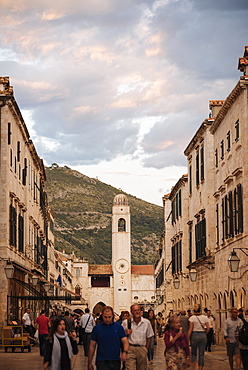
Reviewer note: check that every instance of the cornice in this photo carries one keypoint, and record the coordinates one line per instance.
(178, 186)
(198, 135)
(241, 85)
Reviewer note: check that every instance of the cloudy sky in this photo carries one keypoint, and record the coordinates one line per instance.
(116, 89)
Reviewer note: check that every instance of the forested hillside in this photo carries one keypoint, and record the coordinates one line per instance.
(83, 207)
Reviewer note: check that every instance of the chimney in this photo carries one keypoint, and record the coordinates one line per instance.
(5, 88)
(243, 62)
(214, 106)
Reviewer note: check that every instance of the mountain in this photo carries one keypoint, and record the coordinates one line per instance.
(83, 207)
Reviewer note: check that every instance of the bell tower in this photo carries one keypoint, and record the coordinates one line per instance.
(121, 253)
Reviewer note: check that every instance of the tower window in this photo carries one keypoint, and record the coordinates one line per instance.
(121, 225)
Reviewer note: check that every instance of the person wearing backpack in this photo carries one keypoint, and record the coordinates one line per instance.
(241, 336)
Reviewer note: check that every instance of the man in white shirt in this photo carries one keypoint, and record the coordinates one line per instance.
(139, 338)
(26, 321)
(210, 334)
(232, 346)
(87, 323)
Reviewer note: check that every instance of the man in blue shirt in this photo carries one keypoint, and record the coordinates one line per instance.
(108, 337)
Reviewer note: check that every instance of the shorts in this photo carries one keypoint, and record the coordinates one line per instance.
(232, 349)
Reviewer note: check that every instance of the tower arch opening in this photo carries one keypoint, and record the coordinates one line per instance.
(121, 225)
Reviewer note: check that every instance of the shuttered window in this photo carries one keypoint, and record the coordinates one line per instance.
(197, 175)
(200, 238)
(202, 162)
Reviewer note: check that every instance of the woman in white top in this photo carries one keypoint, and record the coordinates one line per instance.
(198, 327)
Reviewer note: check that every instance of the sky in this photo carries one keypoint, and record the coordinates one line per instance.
(116, 89)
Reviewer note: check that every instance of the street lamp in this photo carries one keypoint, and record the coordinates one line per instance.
(46, 287)
(176, 283)
(193, 274)
(9, 270)
(35, 280)
(233, 261)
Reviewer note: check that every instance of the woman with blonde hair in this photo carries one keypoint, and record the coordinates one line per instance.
(198, 328)
(177, 353)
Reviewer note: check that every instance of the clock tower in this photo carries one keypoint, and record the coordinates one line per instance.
(121, 253)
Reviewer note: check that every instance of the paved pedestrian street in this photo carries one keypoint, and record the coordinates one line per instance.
(215, 360)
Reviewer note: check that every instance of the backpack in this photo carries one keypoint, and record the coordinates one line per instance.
(243, 334)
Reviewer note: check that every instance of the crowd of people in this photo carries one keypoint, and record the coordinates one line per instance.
(127, 341)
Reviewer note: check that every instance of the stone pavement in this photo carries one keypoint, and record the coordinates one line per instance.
(215, 360)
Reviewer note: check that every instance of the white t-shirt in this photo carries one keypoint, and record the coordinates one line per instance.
(26, 319)
(199, 322)
(140, 333)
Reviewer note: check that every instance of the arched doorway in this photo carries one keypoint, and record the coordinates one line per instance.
(97, 310)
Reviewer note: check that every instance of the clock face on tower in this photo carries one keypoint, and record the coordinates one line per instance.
(122, 266)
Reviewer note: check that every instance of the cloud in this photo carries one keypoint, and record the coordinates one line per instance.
(94, 74)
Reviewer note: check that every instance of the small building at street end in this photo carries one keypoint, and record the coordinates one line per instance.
(203, 253)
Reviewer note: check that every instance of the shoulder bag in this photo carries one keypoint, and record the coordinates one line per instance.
(83, 329)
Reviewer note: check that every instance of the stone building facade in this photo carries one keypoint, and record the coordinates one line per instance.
(26, 221)
(210, 223)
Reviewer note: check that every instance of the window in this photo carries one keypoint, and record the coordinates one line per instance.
(24, 172)
(237, 130)
(176, 206)
(232, 213)
(190, 245)
(238, 209)
(222, 149)
(20, 233)
(200, 238)
(9, 133)
(179, 195)
(12, 225)
(159, 278)
(216, 158)
(217, 223)
(227, 204)
(11, 158)
(190, 180)
(121, 225)
(176, 254)
(228, 141)
(202, 162)
(78, 272)
(18, 151)
(100, 281)
(173, 219)
(197, 169)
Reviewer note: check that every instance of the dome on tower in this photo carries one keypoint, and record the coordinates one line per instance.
(120, 200)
